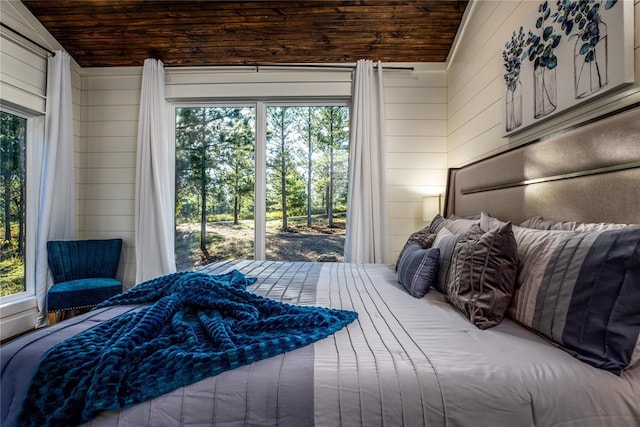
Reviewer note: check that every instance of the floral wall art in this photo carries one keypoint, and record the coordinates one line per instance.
(568, 52)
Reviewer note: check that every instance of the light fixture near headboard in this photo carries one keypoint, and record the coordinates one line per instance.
(431, 206)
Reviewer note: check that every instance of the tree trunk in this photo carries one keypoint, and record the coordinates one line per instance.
(236, 197)
(330, 202)
(325, 198)
(6, 176)
(203, 191)
(22, 203)
(283, 176)
(330, 195)
(203, 216)
(309, 170)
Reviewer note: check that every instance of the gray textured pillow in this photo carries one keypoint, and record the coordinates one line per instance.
(418, 269)
(482, 275)
(456, 225)
(423, 237)
(446, 243)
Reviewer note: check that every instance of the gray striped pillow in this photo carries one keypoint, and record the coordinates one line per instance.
(541, 223)
(582, 290)
(418, 269)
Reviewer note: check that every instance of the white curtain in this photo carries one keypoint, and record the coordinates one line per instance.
(57, 199)
(367, 234)
(154, 201)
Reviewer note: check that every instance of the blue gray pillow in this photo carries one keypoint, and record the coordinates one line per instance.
(418, 269)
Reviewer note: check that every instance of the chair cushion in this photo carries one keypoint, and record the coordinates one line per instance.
(81, 259)
(81, 293)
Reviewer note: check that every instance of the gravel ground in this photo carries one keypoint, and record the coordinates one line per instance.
(298, 243)
(305, 244)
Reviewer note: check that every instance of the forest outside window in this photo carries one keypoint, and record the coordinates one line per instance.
(13, 193)
(260, 181)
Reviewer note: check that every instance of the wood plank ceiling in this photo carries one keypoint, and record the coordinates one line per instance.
(111, 33)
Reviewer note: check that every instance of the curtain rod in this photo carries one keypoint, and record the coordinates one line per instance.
(50, 52)
(290, 65)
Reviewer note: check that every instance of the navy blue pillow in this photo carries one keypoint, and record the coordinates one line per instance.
(418, 269)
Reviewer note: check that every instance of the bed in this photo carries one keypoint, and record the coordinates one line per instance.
(405, 360)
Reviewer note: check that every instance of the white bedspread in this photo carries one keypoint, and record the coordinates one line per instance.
(404, 362)
(412, 362)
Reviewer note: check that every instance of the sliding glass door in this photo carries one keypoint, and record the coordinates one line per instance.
(215, 157)
(306, 182)
(262, 180)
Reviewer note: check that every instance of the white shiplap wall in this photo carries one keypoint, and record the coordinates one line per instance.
(109, 115)
(416, 161)
(23, 81)
(474, 81)
(415, 123)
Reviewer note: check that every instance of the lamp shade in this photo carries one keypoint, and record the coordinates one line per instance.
(431, 206)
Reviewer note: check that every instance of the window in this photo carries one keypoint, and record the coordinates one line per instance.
(307, 174)
(13, 193)
(214, 184)
(260, 180)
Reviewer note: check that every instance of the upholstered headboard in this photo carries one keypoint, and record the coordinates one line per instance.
(590, 173)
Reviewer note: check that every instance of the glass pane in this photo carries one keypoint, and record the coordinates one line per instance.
(14, 203)
(215, 158)
(307, 175)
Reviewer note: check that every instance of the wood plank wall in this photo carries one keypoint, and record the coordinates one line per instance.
(474, 82)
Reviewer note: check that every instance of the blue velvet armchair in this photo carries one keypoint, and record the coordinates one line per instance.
(83, 273)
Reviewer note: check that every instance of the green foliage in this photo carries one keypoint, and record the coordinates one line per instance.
(582, 19)
(11, 265)
(541, 44)
(513, 55)
(214, 162)
(308, 146)
(307, 172)
(11, 275)
(13, 197)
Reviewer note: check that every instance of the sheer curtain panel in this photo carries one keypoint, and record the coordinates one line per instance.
(154, 201)
(57, 199)
(367, 230)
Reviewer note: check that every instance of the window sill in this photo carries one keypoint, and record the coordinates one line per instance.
(14, 307)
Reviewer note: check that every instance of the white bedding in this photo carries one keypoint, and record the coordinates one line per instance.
(404, 362)
(414, 361)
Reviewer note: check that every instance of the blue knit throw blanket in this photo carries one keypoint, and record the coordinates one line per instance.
(197, 326)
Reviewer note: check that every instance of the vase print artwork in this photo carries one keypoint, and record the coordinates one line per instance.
(582, 20)
(545, 93)
(513, 107)
(564, 55)
(590, 64)
(513, 54)
(541, 45)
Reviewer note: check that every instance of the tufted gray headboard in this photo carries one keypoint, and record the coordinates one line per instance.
(590, 173)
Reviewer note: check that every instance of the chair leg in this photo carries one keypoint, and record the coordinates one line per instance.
(52, 318)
